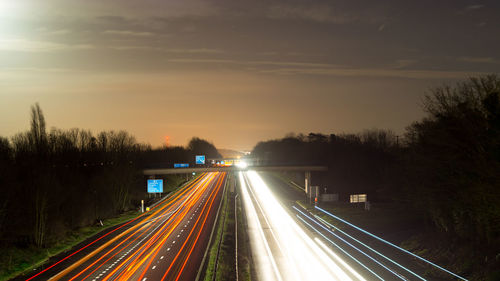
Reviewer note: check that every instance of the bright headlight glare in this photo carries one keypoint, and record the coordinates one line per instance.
(295, 254)
(241, 164)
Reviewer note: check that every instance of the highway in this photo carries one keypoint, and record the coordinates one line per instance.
(166, 243)
(289, 242)
(281, 249)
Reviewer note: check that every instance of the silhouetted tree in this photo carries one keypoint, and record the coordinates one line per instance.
(203, 147)
(52, 182)
(453, 164)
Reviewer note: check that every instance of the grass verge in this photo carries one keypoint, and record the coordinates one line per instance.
(216, 243)
(224, 266)
(244, 260)
(15, 261)
(289, 180)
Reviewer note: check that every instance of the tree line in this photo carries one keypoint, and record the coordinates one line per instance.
(446, 166)
(54, 181)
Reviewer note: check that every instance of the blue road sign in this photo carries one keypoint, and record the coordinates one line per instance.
(181, 165)
(155, 186)
(200, 159)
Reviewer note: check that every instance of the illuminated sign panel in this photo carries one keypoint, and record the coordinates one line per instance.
(155, 186)
(357, 198)
(181, 165)
(200, 159)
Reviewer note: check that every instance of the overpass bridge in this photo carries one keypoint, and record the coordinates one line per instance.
(306, 169)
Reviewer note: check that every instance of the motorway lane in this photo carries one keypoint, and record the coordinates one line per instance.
(182, 254)
(125, 256)
(168, 260)
(281, 249)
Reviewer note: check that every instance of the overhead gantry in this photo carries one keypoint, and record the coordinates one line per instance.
(306, 169)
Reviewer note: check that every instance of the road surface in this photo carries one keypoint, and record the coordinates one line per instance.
(281, 249)
(291, 243)
(167, 243)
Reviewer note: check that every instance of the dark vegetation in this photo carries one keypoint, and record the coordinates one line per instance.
(55, 182)
(446, 169)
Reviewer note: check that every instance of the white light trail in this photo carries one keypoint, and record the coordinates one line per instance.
(370, 248)
(390, 244)
(292, 254)
(266, 263)
(351, 245)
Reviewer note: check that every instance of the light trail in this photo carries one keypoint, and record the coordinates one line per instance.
(260, 242)
(118, 252)
(341, 261)
(340, 248)
(156, 221)
(198, 183)
(156, 249)
(154, 226)
(186, 259)
(371, 249)
(148, 215)
(303, 259)
(390, 244)
(352, 246)
(134, 261)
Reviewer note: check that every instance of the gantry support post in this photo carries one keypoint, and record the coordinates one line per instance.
(307, 183)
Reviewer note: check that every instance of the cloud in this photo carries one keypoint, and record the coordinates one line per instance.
(323, 14)
(59, 32)
(253, 63)
(166, 50)
(128, 33)
(304, 68)
(402, 63)
(470, 8)
(375, 72)
(479, 59)
(474, 7)
(24, 45)
(36, 70)
(193, 51)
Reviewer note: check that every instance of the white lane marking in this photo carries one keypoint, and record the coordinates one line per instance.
(144, 279)
(138, 243)
(153, 267)
(179, 235)
(146, 223)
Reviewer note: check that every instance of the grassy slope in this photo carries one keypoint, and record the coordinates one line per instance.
(15, 261)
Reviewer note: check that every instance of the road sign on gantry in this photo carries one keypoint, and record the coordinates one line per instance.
(200, 159)
(155, 186)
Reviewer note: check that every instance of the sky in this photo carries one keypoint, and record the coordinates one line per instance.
(236, 72)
